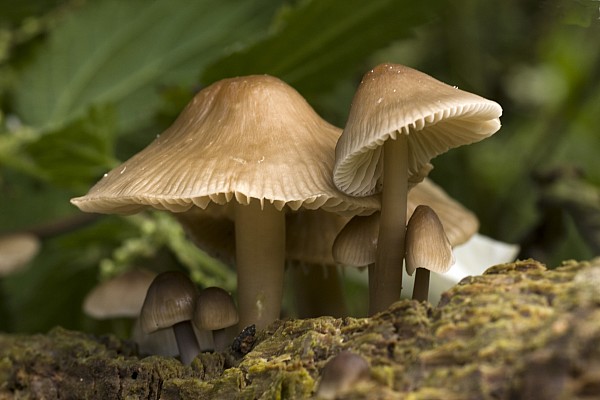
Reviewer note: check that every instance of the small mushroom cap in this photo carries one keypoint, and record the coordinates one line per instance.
(460, 224)
(426, 243)
(356, 244)
(394, 99)
(215, 309)
(121, 296)
(16, 251)
(171, 299)
(244, 138)
(340, 373)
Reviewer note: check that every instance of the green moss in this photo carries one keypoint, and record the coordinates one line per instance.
(506, 334)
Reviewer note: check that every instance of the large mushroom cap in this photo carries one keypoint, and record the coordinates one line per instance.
(394, 99)
(239, 138)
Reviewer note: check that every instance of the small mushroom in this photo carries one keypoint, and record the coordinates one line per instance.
(254, 146)
(121, 296)
(356, 244)
(340, 373)
(399, 120)
(170, 304)
(215, 311)
(427, 249)
(16, 250)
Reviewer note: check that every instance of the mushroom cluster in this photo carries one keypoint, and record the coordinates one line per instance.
(252, 148)
(174, 302)
(399, 120)
(249, 160)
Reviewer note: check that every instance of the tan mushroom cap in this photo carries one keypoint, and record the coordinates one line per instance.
(243, 138)
(16, 250)
(356, 244)
(121, 296)
(340, 373)
(394, 99)
(426, 243)
(460, 224)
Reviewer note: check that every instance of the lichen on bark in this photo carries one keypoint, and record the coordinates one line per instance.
(519, 331)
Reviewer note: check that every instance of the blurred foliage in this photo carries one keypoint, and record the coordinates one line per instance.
(85, 84)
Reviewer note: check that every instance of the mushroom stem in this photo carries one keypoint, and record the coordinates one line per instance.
(186, 342)
(318, 291)
(385, 278)
(421, 285)
(260, 244)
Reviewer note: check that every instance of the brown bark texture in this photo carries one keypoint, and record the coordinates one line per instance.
(520, 331)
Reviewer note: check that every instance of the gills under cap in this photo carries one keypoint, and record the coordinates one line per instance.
(243, 138)
(393, 99)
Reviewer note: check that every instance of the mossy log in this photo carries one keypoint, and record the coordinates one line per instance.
(520, 331)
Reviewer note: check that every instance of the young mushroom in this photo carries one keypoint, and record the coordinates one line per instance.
(16, 250)
(399, 120)
(356, 244)
(340, 373)
(427, 249)
(119, 297)
(170, 304)
(215, 311)
(250, 144)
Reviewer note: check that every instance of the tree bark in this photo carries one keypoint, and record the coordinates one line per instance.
(519, 331)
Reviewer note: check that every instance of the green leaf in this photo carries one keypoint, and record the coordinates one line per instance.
(122, 52)
(78, 154)
(321, 41)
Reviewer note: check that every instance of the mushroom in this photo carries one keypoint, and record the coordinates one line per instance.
(16, 250)
(340, 373)
(311, 269)
(399, 120)
(121, 296)
(356, 244)
(251, 144)
(317, 285)
(215, 311)
(427, 249)
(170, 304)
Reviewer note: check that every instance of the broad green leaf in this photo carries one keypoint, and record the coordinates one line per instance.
(76, 155)
(321, 41)
(25, 202)
(123, 52)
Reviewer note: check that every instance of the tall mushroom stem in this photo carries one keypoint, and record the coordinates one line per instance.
(385, 278)
(260, 261)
